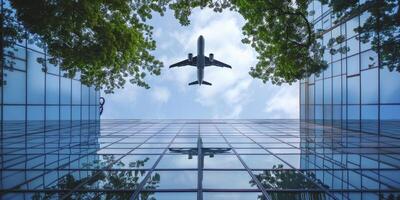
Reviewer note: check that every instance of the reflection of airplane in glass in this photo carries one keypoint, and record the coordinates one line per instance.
(200, 152)
(200, 61)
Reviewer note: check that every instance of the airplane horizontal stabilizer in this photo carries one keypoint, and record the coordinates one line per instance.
(194, 83)
(206, 83)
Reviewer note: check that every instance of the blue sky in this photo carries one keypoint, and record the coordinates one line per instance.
(234, 93)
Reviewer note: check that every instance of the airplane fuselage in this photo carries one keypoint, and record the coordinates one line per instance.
(200, 59)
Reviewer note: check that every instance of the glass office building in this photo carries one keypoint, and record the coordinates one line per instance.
(42, 114)
(202, 159)
(354, 92)
(346, 145)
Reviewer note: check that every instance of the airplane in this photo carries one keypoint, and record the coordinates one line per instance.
(200, 151)
(200, 61)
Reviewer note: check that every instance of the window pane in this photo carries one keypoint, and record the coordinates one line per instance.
(353, 65)
(353, 90)
(318, 92)
(233, 195)
(177, 179)
(222, 161)
(52, 113)
(262, 161)
(353, 46)
(52, 89)
(76, 92)
(14, 113)
(35, 79)
(35, 112)
(65, 90)
(227, 180)
(350, 26)
(65, 113)
(390, 86)
(337, 90)
(369, 59)
(369, 86)
(14, 90)
(328, 91)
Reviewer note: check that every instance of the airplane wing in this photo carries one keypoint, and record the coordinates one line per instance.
(215, 63)
(185, 62)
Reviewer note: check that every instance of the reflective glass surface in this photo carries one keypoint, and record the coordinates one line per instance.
(288, 159)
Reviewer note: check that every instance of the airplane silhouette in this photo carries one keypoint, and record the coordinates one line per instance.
(200, 61)
(200, 152)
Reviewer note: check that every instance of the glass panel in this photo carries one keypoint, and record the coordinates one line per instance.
(177, 179)
(353, 90)
(318, 92)
(328, 91)
(65, 92)
(369, 59)
(14, 89)
(76, 92)
(14, 63)
(337, 90)
(353, 46)
(337, 68)
(389, 86)
(232, 195)
(35, 78)
(65, 113)
(263, 161)
(369, 86)
(52, 112)
(222, 161)
(353, 65)
(14, 113)
(52, 89)
(177, 161)
(227, 180)
(35, 112)
(172, 196)
(136, 161)
(350, 26)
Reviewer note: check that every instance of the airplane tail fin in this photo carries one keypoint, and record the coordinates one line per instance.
(197, 82)
(194, 83)
(206, 83)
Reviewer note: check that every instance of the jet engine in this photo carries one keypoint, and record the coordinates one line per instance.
(190, 57)
(211, 57)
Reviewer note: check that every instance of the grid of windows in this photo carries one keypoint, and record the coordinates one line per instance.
(354, 92)
(137, 159)
(31, 91)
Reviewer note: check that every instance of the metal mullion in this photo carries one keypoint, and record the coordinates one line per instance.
(148, 175)
(318, 185)
(259, 185)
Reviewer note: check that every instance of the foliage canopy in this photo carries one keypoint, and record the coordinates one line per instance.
(109, 41)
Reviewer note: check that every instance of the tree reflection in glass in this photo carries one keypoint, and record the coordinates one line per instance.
(279, 178)
(103, 180)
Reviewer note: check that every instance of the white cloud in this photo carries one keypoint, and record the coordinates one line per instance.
(160, 94)
(116, 104)
(284, 103)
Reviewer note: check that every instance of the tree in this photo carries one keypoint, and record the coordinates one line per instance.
(108, 41)
(106, 179)
(279, 178)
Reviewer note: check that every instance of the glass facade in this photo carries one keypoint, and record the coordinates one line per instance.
(199, 159)
(354, 92)
(31, 91)
(46, 119)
